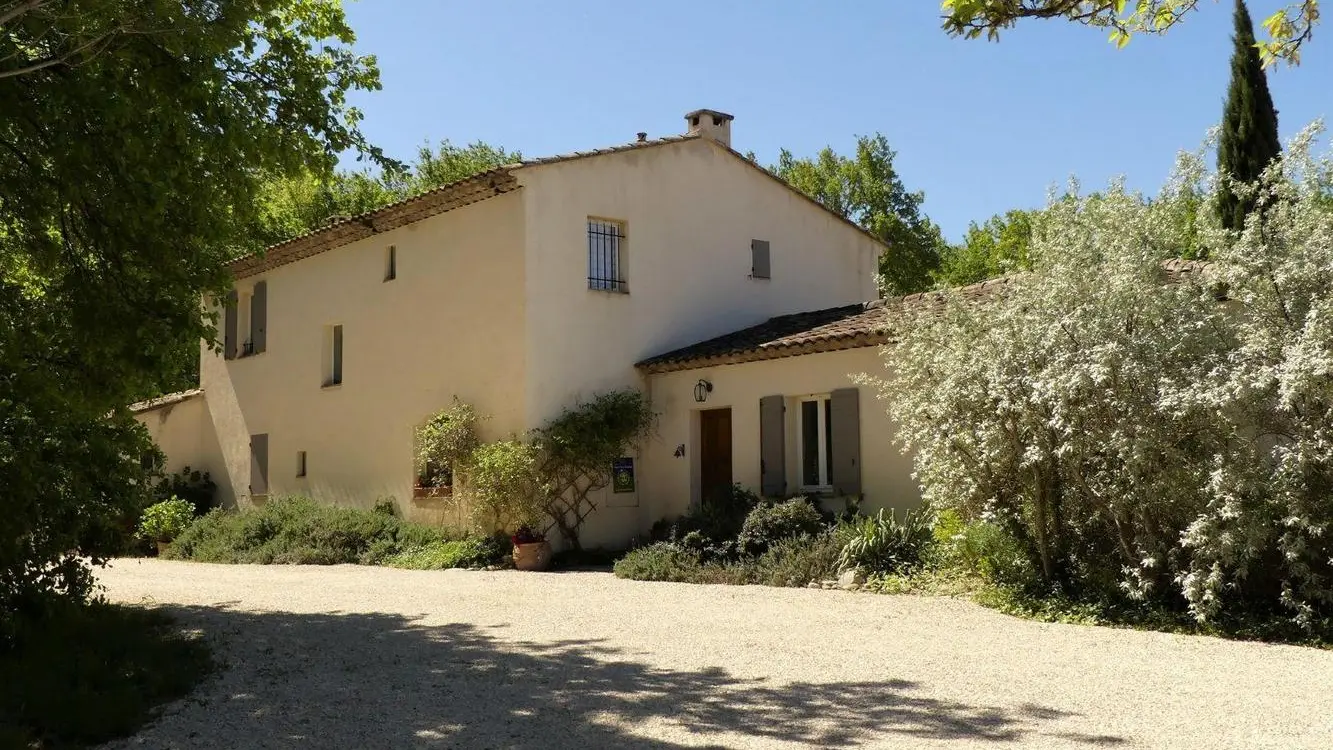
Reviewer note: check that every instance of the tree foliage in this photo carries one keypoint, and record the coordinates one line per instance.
(1141, 439)
(133, 137)
(1288, 28)
(503, 486)
(998, 247)
(867, 190)
(294, 205)
(448, 439)
(1249, 141)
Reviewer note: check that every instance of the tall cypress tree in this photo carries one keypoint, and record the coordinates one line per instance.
(1249, 123)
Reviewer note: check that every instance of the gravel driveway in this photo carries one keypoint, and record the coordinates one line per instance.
(360, 657)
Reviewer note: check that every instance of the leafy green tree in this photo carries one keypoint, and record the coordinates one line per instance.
(293, 205)
(998, 247)
(867, 190)
(1288, 28)
(448, 163)
(1249, 141)
(133, 138)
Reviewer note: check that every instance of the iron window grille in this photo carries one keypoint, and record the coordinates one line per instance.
(248, 348)
(605, 261)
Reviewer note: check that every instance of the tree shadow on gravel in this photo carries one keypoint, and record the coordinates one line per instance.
(383, 681)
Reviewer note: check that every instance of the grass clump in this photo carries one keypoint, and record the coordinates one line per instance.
(300, 531)
(83, 675)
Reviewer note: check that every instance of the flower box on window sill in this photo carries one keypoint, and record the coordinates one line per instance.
(424, 493)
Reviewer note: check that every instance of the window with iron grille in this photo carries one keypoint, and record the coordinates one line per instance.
(606, 259)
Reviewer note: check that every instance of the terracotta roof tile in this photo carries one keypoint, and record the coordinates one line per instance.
(474, 189)
(479, 187)
(835, 328)
(167, 400)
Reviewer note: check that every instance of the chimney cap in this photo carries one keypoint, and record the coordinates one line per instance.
(713, 112)
(642, 136)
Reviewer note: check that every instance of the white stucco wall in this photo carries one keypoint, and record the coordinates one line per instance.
(185, 436)
(451, 323)
(491, 303)
(690, 211)
(669, 484)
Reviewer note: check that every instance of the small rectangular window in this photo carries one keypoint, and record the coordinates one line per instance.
(333, 363)
(606, 256)
(815, 434)
(300, 463)
(759, 260)
(433, 480)
(391, 263)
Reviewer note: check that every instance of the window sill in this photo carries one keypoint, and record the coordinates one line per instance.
(624, 292)
(425, 493)
(330, 386)
(817, 490)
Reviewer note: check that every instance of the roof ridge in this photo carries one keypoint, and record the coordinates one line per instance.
(290, 250)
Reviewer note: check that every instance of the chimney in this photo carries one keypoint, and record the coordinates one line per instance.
(709, 123)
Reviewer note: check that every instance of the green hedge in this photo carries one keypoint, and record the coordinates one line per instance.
(301, 531)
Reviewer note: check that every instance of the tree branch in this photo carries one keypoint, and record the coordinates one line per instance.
(57, 60)
(20, 9)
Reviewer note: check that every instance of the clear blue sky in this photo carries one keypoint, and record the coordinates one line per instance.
(980, 127)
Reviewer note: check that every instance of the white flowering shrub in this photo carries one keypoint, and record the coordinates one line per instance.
(1266, 530)
(1135, 436)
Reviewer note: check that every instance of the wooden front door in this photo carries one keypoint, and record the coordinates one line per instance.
(714, 452)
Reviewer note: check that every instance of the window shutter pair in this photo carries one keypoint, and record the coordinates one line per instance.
(258, 321)
(845, 418)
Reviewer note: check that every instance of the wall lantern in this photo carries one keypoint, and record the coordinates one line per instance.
(701, 390)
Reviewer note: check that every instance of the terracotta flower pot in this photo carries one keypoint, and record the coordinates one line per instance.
(532, 556)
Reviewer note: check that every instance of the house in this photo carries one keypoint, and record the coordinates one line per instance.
(675, 266)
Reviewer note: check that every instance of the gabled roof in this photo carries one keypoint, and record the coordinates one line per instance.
(474, 189)
(163, 401)
(835, 328)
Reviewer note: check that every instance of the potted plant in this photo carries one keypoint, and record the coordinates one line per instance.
(531, 550)
(162, 522)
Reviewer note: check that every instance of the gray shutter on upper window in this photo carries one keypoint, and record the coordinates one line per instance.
(259, 317)
(259, 464)
(772, 447)
(845, 440)
(229, 326)
(759, 263)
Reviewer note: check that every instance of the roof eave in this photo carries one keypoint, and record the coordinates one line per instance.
(829, 344)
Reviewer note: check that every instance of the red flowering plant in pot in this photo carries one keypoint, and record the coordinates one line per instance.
(531, 550)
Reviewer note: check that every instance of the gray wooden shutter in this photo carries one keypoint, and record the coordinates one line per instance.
(772, 447)
(259, 316)
(759, 263)
(229, 327)
(259, 464)
(845, 418)
(337, 355)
